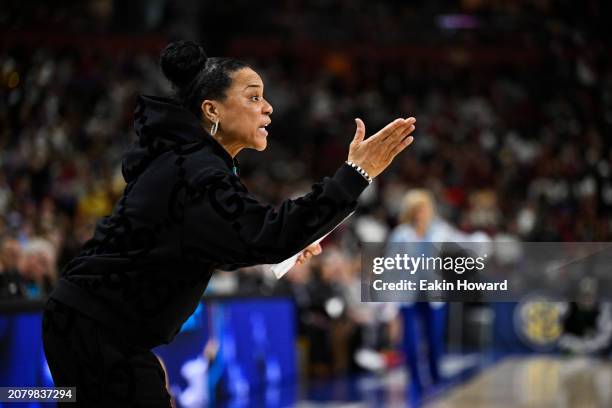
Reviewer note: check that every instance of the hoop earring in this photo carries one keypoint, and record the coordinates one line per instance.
(214, 128)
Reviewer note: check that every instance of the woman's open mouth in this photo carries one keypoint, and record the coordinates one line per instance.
(262, 129)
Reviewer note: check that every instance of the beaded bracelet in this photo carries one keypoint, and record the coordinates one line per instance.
(360, 171)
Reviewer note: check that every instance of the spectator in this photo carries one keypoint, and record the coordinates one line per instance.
(587, 324)
(10, 254)
(37, 268)
(326, 316)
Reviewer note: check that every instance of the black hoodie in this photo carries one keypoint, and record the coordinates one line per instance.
(183, 214)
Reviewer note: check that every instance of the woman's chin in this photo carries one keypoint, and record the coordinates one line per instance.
(261, 145)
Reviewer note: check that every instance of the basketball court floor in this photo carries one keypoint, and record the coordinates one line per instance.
(537, 381)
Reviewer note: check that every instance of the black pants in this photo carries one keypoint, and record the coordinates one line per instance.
(105, 368)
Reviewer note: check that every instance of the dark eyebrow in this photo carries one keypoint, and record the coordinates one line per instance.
(252, 86)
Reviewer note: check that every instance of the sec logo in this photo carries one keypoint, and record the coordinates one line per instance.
(538, 322)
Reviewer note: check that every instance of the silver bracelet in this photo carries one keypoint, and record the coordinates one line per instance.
(360, 171)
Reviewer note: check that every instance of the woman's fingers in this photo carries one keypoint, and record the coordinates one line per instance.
(405, 141)
(402, 132)
(359, 132)
(397, 139)
(401, 146)
(398, 133)
(395, 136)
(395, 144)
(388, 130)
(312, 250)
(388, 138)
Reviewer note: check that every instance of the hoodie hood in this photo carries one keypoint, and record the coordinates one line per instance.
(163, 125)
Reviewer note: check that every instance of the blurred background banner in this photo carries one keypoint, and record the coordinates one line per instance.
(512, 146)
(228, 350)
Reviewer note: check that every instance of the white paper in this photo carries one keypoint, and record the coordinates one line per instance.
(283, 267)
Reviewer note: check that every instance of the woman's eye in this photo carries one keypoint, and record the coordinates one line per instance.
(255, 98)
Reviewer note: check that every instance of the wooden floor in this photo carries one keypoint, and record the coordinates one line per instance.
(536, 382)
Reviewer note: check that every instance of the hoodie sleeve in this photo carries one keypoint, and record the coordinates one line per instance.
(227, 225)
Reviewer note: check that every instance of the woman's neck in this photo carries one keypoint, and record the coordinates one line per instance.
(231, 147)
(421, 229)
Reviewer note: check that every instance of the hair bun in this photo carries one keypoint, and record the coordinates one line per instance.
(181, 61)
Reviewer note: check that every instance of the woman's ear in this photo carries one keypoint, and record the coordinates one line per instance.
(210, 111)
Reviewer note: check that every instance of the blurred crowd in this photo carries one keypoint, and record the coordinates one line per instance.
(519, 149)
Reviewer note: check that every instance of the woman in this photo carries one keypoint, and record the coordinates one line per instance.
(419, 227)
(185, 213)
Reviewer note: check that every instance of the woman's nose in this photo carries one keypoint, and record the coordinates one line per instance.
(268, 108)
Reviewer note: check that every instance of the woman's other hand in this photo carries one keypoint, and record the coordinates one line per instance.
(378, 151)
(314, 249)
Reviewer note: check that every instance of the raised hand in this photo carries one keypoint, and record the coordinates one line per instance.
(376, 153)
